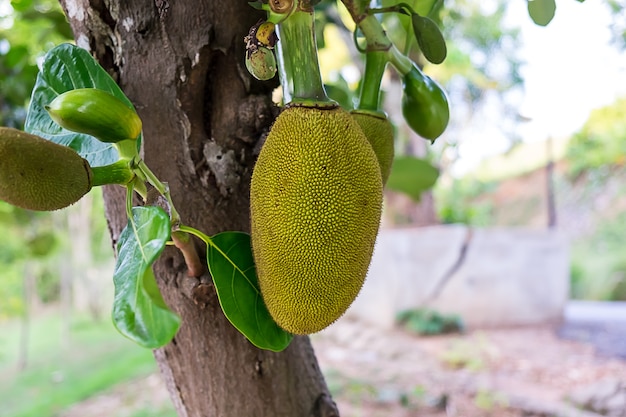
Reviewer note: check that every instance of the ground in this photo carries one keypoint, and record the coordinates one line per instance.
(526, 371)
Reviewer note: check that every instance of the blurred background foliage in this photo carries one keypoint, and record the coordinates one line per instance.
(28, 28)
(601, 142)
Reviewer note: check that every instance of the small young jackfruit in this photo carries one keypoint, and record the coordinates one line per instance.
(316, 199)
(379, 132)
(37, 174)
(97, 113)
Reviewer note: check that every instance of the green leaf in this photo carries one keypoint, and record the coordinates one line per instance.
(139, 311)
(429, 38)
(412, 176)
(230, 261)
(67, 67)
(541, 11)
(256, 4)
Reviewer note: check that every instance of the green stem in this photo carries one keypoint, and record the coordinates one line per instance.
(403, 8)
(357, 8)
(400, 61)
(377, 40)
(298, 65)
(207, 239)
(284, 9)
(116, 173)
(202, 236)
(162, 188)
(127, 149)
(129, 200)
(369, 97)
(139, 185)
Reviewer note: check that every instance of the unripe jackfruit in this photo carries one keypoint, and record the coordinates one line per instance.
(37, 174)
(97, 113)
(316, 199)
(379, 132)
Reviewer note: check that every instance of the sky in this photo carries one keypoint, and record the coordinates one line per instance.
(571, 68)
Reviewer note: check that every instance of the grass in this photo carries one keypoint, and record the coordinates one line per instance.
(59, 372)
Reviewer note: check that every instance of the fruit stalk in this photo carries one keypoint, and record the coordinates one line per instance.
(116, 173)
(298, 65)
(369, 96)
(370, 117)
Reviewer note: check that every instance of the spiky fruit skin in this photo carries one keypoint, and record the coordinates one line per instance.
(37, 174)
(316, 200)
(379, 132)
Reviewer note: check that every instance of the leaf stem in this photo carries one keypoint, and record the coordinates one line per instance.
(129, 200)
(202, 236)
(397, 8)
(162, 188)
(207, 239)
(377, 40)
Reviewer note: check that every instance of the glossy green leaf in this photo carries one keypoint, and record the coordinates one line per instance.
(67, 67)
(429, 38)
(256, 4)
(411, 176)
(424, 7)
(541, 11)
(139, 311)
(230, 261)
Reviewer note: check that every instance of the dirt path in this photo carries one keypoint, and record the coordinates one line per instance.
(507, 372)
(391, 373)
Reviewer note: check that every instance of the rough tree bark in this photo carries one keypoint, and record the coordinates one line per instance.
(181, 63)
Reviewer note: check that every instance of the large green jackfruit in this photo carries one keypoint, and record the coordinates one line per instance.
(379, 132)
(37, 174)
(316, 199)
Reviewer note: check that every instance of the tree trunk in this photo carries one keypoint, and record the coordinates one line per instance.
(181, 63)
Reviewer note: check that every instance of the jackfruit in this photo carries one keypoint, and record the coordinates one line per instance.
(97, 113)
(261, 63)
(379, 132)
(315, 206)
(37, 174)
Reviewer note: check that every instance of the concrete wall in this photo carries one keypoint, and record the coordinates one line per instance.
(491, 277)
